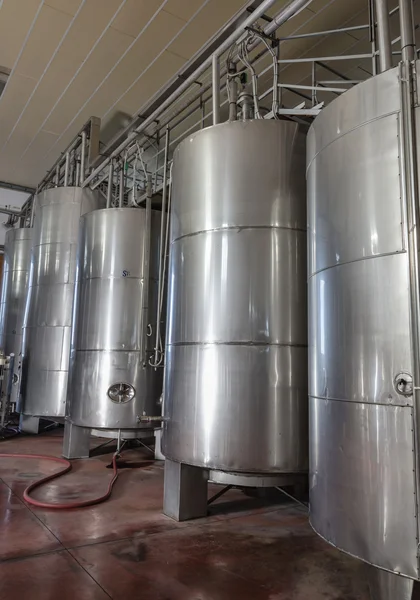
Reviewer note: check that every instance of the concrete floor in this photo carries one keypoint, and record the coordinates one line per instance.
(126, 548)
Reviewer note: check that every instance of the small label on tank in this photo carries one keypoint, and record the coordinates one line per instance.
(126, 273)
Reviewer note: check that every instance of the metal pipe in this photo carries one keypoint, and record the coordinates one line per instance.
(110, 182)
(32, 219)
(299, 36)
(232, 87)
(408, 43)
(146, 267)
(10, 211)
(57, 176)
(162, 256)
(289, 11)
(372, 34)
(121, 186)
(256, 14)
(72, 167)
(83, 158)
(215, 74)
(67, 170)
(77, 172)
(384, 36)
(318, 59)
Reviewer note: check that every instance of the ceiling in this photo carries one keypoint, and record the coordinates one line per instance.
(71, 59)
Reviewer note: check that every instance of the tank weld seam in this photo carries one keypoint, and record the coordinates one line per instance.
(83, 279)
(126, 351)
(349, 262)
(237, 228)
(51, 284)
(44, 326)
(389, 404)
(16, 271)
(246, 343)
(393, 112)
(62, 243)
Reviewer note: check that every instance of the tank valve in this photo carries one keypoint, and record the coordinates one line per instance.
(403, 384)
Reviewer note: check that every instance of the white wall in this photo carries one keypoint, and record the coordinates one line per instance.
(9, 199)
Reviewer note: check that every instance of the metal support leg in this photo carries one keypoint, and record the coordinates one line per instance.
(158, 445)
(76, 441)
(28, 424)
(388, 586)
(185, 491)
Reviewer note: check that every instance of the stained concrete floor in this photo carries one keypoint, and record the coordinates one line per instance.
(246, 549)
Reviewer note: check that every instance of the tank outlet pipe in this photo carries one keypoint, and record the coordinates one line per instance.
(408, 40)
(146, 267)
(384, 36)
(286, 13)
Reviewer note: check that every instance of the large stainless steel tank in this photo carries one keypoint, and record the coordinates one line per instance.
(112, 385)
(17, 260)
(47, 327)
(235, 392)
(363, 473)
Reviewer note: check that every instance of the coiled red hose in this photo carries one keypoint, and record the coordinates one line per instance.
(66, 469)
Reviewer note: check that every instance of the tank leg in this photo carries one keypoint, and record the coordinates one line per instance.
(388, 586)
(158, 444)
(28, 424)
(185, 491)
(76, 441)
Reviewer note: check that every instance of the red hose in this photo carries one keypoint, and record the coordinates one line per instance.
(66, 469)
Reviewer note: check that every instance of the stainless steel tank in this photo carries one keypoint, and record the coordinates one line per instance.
(112, 384)
(235, 392)
(363, 473)
(17, 260)
(47, 327)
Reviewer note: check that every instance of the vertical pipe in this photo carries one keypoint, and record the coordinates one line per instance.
(121, 186)
(408, 43)
(203, 111)
(233, 92)
(162, 256)
(77, 173)
(384, 36)
(57, 175)
(72, 167)
(67, 170)
(146, 268)
(372, 34)
(216, 89)
(31, 222)
(313, 83)
(110, 182)
(83, 158)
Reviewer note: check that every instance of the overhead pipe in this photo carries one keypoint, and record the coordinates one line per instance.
(286, 13)
(408, 40)
(384, 35)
